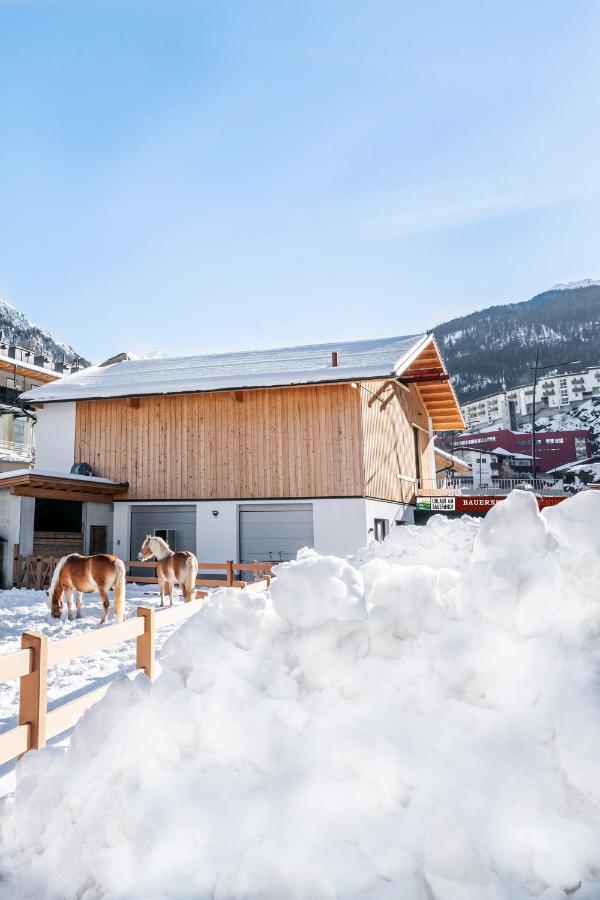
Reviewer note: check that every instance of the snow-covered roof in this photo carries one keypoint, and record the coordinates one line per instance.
(312, 364)
(455, 460)
(46, 473)
(566, 467)
(501, 451)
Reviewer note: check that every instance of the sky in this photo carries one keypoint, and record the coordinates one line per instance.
(192, 177)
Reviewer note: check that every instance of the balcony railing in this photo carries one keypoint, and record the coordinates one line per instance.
(494, 486)
(13, 451)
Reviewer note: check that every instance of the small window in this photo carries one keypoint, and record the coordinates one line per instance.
(381, 528)
(417, 444)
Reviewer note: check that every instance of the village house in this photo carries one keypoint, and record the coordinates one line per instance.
(243, 456)
(20, 370)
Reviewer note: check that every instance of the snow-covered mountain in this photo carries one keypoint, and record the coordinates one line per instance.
(17, 329)
(498, 344)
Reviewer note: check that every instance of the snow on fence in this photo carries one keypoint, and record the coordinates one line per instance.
(30, 664)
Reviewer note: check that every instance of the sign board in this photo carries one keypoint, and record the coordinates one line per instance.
(473, 505)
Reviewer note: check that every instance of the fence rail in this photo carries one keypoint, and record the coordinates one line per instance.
(469, 486)
(30, 664)
(35, 571)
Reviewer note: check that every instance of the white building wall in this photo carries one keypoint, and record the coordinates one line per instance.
(55, 438)
(121, 529)
(97, 514)
(560, 391)
(341, 526)
(16, 527)
(385, 509)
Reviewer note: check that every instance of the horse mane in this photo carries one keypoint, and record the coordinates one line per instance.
(164, 551)
(56, 576)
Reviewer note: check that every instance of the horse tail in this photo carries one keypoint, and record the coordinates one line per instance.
(191, 573)
(56, 578)
(119, 589)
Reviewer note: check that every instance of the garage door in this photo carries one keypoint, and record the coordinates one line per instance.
(180, 521)
(275, 532)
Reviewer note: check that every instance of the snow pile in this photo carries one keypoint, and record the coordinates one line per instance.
(372, 730)
(445, 543)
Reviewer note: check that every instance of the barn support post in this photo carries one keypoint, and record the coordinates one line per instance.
(230, 575)
(33, 689)
(144, 651)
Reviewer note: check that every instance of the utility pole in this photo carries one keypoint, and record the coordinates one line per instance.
(535, 375)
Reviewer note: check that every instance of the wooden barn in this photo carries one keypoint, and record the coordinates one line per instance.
(244, 456)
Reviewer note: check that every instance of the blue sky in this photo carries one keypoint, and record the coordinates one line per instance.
(196, 177)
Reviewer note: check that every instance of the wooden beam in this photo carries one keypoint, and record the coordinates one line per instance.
(425, 378)
(378, 394)
(61, 494)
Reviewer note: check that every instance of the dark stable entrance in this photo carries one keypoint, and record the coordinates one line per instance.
(57, 515)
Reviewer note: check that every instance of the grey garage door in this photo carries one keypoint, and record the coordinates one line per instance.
(180, 520)
(275, 532)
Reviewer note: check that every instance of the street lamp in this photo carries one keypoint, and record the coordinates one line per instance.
(537, 368)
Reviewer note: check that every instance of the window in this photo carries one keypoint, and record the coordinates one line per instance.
(19, 431)
(381, 528)
(417, 455)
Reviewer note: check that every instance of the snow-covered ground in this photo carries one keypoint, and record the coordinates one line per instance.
(419, 723)
(22, 610)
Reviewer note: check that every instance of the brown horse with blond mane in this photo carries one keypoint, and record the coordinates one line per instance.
(171, 568)
(79, 575)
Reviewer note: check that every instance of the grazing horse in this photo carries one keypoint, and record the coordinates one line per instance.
(77, 574)
(171, 568)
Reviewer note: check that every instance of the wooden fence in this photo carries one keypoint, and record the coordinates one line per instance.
(35, 571)
(30, 664)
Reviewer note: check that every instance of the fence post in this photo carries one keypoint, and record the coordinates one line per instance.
(33, 689)
(16, 565)
(144, 651)
(38, 573)
(230, 575)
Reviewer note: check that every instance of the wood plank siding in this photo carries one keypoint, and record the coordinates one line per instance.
(389, 441)
(291, 442)
(313, 441)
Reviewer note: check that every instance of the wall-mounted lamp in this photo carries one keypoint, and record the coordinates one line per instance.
(215, 513)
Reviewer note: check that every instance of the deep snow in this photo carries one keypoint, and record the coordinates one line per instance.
(382, 728)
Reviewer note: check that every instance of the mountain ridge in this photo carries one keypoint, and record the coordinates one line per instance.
(16, 328)
(496, 345)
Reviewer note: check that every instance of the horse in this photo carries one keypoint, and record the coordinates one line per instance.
(76, 574)
(171, 568)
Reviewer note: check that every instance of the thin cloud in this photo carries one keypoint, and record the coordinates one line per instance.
(476, 202)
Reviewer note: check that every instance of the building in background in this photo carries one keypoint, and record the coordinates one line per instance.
(241, 456)
(512, 409)
(20, 370)
(552, 448)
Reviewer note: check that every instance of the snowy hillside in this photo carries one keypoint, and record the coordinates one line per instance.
(497, 344)
(367, 729)
(17, 329)
(586, 415)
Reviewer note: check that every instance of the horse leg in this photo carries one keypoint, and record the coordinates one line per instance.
(79, 596)
(105, 604)
(171, 591)
(70, 607)
(161, 587)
